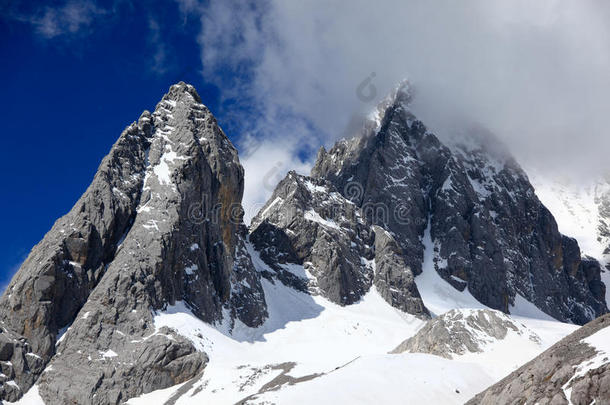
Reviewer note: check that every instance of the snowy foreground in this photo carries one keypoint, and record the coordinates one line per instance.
(311, 350)
(314, 350)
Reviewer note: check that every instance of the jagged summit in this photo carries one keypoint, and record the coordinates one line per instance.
(400, 97)
(397, 101)
(308, 222)
(489, 232)
(160, 223)
(179, 90)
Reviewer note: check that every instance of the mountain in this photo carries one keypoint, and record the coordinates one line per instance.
(152, 289)
(160, 223)
(489, 232)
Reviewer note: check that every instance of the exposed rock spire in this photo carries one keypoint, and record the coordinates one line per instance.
(160, 223)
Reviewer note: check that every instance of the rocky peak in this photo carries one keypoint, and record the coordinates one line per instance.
(308, 222)
(160, 223)
(320, 230)
(398, 100)
(489, 231)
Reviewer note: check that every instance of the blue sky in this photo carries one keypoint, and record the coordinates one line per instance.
(66, 97)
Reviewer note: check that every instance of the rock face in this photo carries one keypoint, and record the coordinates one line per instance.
(572, 370)
(490, 232)
(461, 331)
(582, 209)
(394, 279)
(307, 221)
(17, 363)
(161, 222)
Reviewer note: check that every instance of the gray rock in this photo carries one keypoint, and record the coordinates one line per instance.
(19, 366)
(308, 222)
(394, 279)
(547, 378)
(458, 332)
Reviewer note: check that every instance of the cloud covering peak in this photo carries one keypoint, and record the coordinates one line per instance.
(534, 73)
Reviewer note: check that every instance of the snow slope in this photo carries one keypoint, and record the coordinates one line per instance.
(311, 350)
(438, 295)
(304, 336)
(406, 378)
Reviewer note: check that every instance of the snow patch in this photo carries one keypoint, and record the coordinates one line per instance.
(162, 169)
(190, 270)
(600, 341)
(523, 307)
(438, 295)
(311, 215)
(109, 353)
(275, 201)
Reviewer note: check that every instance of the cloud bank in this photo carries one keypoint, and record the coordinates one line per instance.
(534, 73)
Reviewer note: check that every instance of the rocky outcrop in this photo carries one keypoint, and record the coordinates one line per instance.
(308, 222)
(573, 370)
(322, 233)
(490, 232)
(582, 208)
(603, 203)
(17, 364)
(458, 332)
(160, 223)
(394, 279)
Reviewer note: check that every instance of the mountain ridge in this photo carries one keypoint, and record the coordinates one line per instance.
(471, 199)
(161, 225)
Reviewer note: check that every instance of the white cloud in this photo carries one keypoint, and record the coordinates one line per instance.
(69, 18)
(265, 164)
(155, 41)
(535, 73)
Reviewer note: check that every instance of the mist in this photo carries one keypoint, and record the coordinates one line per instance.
(534, 73)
